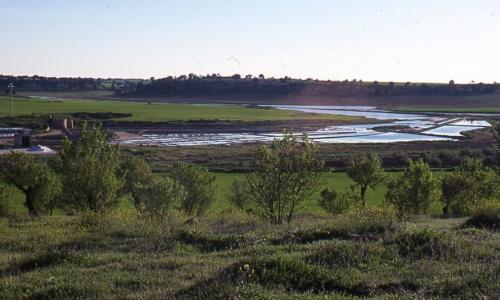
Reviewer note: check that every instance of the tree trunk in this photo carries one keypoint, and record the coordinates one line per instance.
(363, 195)
(30, 203)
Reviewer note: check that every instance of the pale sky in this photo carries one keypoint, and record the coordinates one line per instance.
(398, 40)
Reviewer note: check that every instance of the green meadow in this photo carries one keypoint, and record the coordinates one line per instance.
(158, 112)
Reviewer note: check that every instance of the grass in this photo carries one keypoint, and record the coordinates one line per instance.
(236, 256)
(159, 112)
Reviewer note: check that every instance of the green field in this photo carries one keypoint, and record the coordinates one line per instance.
(158, 112)
(336, 180)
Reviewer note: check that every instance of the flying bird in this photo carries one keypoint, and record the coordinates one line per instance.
(235, 60)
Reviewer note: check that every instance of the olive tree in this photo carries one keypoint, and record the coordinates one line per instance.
(34, 178)
(470, 185)
(415, 190)
(367, 172)
(136, 174)
(285, 174)
(90, 171)
(199, 185)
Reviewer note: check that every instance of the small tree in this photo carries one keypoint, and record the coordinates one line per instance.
(467, 187)
(414, 191)
(367, 172)
(285, 174)
(136, 174)
(89, 168)
(159, 196)
(34, 178)
(238, 194)
(334, 202)
(199, 185)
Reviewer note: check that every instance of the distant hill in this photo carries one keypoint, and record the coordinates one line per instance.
(249, 89)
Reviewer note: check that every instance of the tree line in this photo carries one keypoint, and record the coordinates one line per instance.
(193, 85)
(91, 174)
(215, 84)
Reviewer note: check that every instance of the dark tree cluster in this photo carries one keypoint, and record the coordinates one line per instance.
(41, 83)
(195, 85)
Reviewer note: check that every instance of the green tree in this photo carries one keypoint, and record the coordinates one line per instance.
(34, 178)
(414, 191)
(90, 171)
(467, 187)
(199, 185)
(285, 174)
(159, 196)
(367, 172)
(136, 173)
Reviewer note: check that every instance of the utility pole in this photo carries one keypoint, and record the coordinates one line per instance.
(11, 86)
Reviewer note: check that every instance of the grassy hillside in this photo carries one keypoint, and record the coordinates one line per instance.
(156, 112)
(237, 256)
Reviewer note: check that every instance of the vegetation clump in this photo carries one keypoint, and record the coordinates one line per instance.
(334, 202)
(367, 172)
(285, 174)
(89, 169)
(467, 188)
(414, 191)
(487, 216)
(34, 178)
(199, 186)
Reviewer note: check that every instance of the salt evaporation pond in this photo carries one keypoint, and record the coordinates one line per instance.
(426, 127)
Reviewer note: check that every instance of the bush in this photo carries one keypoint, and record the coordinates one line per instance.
(89, 169)
(334, 202)
(467, 187)
(159, 196)
(238, 194)
(487, 216)
(285, 174)
(425, 244)
(34, 178)
(4, 201)
(199, 185)
(414, 191)
(136, 173)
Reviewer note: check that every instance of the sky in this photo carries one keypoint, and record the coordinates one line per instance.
(384, 40)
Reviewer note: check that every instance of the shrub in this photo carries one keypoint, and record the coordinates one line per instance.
(425, 243)
(238, 194)
(210, 242)
(159, 196)
(34, 178)
(467, 187)
(4, 201)
(487, 216)
(334, 202)
(136, 173)
(285, 174)
(199, 185)
(414, 191)
(89, 167)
